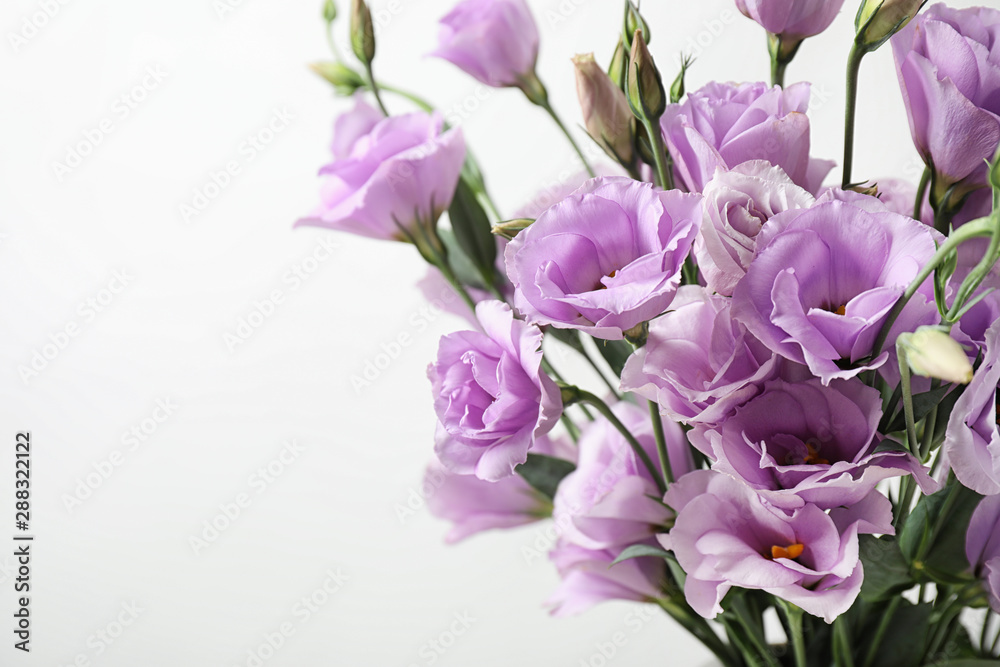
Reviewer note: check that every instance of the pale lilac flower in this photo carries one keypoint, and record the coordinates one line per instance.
(606, 258)
(792, 19)
(491, 397)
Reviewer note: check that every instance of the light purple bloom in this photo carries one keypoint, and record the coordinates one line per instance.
(606, 258)
(727, 535)
(610, 500)
(388, 177)
(726, 124)
(972, 442)
(588, 578)
(803, 442)
(737, 204)
(825, 278)
(474, 505)
(792, 19)
(698, 363)
(491, 398)
(982, 547)
(495, 41)
(949, 71)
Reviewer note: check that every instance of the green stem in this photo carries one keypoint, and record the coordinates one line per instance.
(930, 426)
(793, 616)
(778, 71)
(661, 442)
(948, 616)
(597, 369)
(700, 628)
(985, 631)
(375, 89)
(557, 376)
(571, 428)
(584, 396)
(906, 491)
(883, 626)
(918, 205)
(663, 176)
(552, 112)
(419, 101)
(853, 69)
(981, 270)
(904, 383)
(842, 644)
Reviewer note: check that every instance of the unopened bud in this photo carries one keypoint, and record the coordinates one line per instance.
(878, 20)
(606, 113)
(508, 229)
(645, 87)
(343, 78)
(619, 65)
(362, 32)
(329, 11)
(634, 22)
(677, 88)
(995, 172)
(931, 352)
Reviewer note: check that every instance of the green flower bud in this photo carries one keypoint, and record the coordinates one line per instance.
(619, 65)
(343, 78)
(677, 88)
(645, 90)
(329, 11)
(634, 21)
(362, 32)
(510, 228)
(878, 20)
(931, 352)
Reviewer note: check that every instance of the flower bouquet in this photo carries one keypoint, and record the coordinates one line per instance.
(800, 405)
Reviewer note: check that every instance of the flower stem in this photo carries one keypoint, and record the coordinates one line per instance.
(552, 112)
(883, 627)
(661, 443)
(793, 615)
(904, 383)
(853, 69)
(583, 396)
(375, 89)
(700, 628)
(663, 176)
(925, 181)
(842, 644)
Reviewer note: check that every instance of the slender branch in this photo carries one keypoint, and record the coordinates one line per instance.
(853, 69)
(918, 205)
(663, 176)
(883, 626)
(552, 112)
(793, 616)
(661, 442)
(375, 89)
(700, 628)
(842, 644)
(904, 383)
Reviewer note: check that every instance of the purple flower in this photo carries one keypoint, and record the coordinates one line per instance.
(698, 362)
(588, 578)
(949, 72)
(972, 441)
(825, 278)
(606, 258)
(610, 500)
(793, 20)
(496, 41)
(474, 505)
(726, 535)
(803, 442)
(982, 547)
(726, 124)
(389, 176)
(491, 398)
(737, 204)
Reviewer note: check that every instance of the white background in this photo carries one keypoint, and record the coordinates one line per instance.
(335, 506)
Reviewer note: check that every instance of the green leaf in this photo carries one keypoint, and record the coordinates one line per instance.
(639, 551)
(905, 638)
(923, 403)
(936, 528)
(544, 473)
(887, 572)
(473, 232)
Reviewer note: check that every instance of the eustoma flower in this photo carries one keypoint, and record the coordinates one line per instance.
(588, 577)
(949, 71)
(495, 41)
(737, 204)
(390, 176)
(793, 20)
(803, 442)
(605, 259)
(491, 397)
(982, 547)
(698, 362)
(610, 500)
(725, 124)
(726, 535)
(972, 443)
(825, 278)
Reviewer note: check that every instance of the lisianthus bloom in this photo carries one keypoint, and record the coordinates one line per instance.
(389, 176)
(491, 397)
(606, 258)
(474, 505)
(698, 362)
(982, 547)
(726, 124)
(495, 41)
(803, 442)
(825, 278)
(588, 578)
(949, 72)
(793, 20)
(610, 500)
(727, 535)
(972, 441)
(737, 204)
